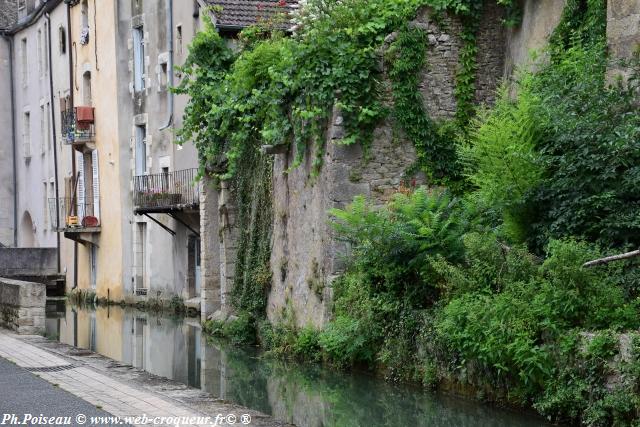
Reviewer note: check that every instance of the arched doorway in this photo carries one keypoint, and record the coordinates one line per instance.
(27, 231)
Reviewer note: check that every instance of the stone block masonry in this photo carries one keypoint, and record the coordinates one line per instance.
(623, 34)
(28, 262)
(306, 257)
(22, 306)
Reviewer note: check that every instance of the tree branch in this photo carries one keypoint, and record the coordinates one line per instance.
(609, 259)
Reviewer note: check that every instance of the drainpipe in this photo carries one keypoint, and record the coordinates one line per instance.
(73, 157)
(55, 145)
(169, 7)
(13, 142)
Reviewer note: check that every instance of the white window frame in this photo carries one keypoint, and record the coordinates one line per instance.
(141, 150)
(26, 134)
(139, 65)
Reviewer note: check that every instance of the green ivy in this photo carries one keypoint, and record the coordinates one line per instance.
(436, 151)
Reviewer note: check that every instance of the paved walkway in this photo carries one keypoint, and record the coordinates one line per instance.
(113, 395)
(24, 394)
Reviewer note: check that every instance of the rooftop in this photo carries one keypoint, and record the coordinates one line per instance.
(8, 14)
(238, 14)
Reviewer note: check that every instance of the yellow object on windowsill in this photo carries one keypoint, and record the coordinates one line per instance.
(72, 221)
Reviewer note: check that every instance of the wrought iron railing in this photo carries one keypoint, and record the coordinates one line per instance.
(69, 214)
(172, 190)
(74, 130)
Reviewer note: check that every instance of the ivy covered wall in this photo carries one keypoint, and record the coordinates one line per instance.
(305, 256)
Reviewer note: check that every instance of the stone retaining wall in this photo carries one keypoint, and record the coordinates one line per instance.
(28, 262)
(306, 257)
(22, 306)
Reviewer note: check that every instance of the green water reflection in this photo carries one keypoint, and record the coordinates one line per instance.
(308, 396)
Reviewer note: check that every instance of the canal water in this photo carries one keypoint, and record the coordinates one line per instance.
(308, 396)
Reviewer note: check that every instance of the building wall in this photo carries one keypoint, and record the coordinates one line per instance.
(6, 147)
(34, 137)
(168, 274)
(61, 90)
(101, 60)
(623, 34)
(526, 41)
(305, 256)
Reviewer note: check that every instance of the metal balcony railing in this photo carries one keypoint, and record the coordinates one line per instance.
(166, 191)
(72, 215)
(77, 128)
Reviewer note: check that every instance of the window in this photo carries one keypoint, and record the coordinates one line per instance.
(165, 179)
(62, 40)
(39, 54)
(24, 64)
(84, 31)
(52, 196)
(26, 134)
(93, 268)
(140, 251)
(45, 50)
(138, 59)
(45, 205)
(141, 150)
(43, 130)
(163, 80)
(22, 8)
(47, 127)
(179, 39)
(86, 88)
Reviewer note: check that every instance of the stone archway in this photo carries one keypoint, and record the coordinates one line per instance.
(27, 231)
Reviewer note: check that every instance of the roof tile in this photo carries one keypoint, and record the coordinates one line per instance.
(243, 13)
(8, 14)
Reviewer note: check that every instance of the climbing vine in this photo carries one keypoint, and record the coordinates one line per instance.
(252, 193)
(280, 88)
(436, 154)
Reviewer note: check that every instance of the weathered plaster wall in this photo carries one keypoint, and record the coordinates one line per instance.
(34, 139)
(166, 267)
(100, 56)
(539, 19)
(623, 33)
(305, 256)
(6, 148)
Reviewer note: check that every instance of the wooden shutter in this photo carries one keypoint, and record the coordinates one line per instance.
(80, 192)
(96, 183)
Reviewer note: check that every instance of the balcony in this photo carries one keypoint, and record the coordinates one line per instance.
(77, 220)
(166, 192)
(78, 126)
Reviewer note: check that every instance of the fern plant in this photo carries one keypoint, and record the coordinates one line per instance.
(501, 160)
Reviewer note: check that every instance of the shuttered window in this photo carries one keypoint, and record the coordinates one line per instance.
(138, 59)
(96, 183)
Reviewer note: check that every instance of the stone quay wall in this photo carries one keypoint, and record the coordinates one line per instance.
(22, 306)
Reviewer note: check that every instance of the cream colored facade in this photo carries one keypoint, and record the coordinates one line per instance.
(123, 54)
(103, 253)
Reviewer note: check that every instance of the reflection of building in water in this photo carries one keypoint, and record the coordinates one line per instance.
(165, 347)
(213, 372)
(303, 395)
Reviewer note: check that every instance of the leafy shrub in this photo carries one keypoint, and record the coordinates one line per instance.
(238, 330)
(508, 337)
(501, 158)
(589, 152)
(345, 343)
(392, 246)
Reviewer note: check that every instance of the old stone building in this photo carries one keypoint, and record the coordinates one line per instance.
(34, 81)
